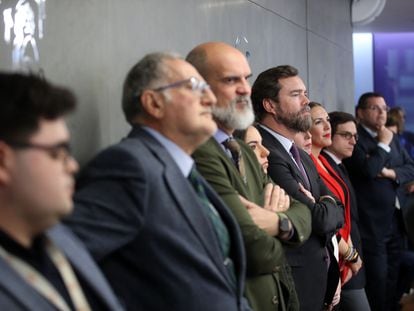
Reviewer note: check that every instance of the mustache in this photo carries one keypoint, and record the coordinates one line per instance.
(242, 98)
(305, 109)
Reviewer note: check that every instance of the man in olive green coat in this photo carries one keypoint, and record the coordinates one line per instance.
(266, 218)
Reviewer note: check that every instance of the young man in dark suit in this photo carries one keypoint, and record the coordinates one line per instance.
(162, 236)
(280, 102)
(269, 284)
(43, 265)
(344, 138)
(379, 168)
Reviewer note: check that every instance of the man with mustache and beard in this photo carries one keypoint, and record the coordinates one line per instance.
(266, 215)
(280, 102)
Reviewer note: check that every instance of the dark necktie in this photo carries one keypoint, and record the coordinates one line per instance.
(215, 219)
(343, 169)
(236, 154)
(295, 153)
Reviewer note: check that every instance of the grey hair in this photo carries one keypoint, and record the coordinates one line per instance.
(147, 73)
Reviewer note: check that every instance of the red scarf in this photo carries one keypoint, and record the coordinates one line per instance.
(338, 188)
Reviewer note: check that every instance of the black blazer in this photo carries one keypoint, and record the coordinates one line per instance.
(357, 281)
(143, 222)
(376, 196)
(308, 262)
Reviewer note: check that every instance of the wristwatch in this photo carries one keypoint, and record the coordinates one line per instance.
(283, 224)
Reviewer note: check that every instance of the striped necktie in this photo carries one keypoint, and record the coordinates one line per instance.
(236, 154)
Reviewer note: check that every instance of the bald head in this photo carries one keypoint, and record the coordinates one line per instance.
(210, 57)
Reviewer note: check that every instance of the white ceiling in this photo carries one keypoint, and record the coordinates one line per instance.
(397, 16)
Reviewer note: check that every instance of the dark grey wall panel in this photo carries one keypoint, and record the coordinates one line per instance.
(330, 85)
(291, 10)
(88, 45)
(331, 19)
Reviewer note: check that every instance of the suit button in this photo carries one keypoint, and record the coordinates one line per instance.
(276, 269)
(275, 301)
(226, 261)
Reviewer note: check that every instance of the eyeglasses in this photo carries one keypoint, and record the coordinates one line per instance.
(194, 84)
(347, 135)
(60, 151)
(378, 108)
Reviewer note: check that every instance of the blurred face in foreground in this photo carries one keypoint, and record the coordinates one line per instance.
(40, 181)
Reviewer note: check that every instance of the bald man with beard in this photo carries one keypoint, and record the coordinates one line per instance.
(267, 217)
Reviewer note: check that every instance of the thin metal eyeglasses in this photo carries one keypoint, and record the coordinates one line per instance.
(347, 135)
(60, 151)
(194, 83)
(378, 108)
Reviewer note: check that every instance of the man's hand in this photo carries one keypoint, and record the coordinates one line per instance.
(388, 173)
(306, 192)
(384, 135)
(275, 198)
(410, 188)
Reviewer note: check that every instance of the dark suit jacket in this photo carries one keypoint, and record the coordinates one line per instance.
(308, 262)
(357, 281)
(16, 294)
(376, 196)
(408, 217)
(269, 284)
(144, 224)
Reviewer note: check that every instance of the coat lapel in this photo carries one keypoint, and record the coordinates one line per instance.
(25, 294)
(83, 264)
(186, 198)
(276, 147)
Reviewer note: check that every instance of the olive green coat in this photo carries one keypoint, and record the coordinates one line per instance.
(269, 283)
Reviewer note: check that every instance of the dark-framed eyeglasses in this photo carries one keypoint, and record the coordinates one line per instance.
(347, 135)
(60, 151)
(378, 108)
(193, 83)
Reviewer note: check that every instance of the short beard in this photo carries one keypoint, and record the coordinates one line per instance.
(297, 122)
(233, 118)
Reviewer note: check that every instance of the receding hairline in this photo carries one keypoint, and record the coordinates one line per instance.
(206, 55)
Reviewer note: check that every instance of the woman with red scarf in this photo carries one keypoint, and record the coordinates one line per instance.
(349, 260)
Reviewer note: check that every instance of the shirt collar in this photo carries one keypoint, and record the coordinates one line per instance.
(286, 142)
(182, 159)
(334, 157)
(27, 253)
(370, 132)
(221, 136)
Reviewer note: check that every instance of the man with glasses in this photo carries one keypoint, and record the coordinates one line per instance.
(162, 236)
(43, 265)
(344, 138)
(379, 168)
